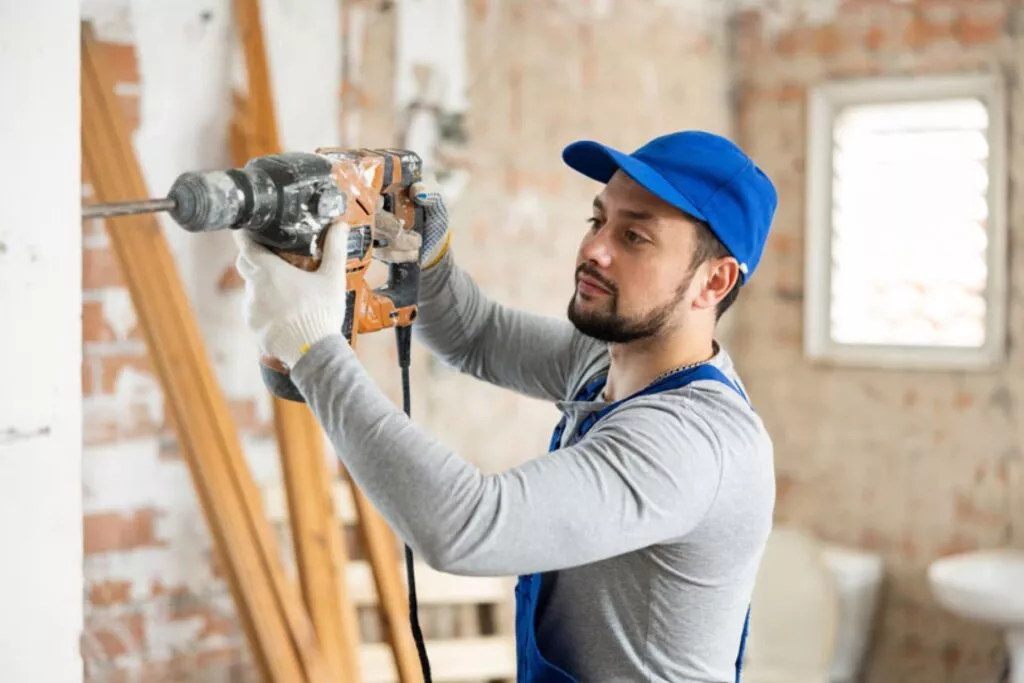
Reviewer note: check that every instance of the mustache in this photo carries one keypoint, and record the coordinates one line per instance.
(591, 272)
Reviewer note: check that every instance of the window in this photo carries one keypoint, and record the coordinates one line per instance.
(906, 223)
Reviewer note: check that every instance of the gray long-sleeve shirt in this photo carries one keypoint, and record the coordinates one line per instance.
(648, 530)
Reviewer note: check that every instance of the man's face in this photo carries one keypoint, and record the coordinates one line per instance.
(633, 275)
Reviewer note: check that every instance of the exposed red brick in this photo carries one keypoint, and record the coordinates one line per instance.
(788, 92)
(216, 624)
(952, 655)
(1002, 472)
(875, 38)
(131, 422)
(911, 647)
(219, 664)
(119, 61)
(117, 636)
(973, 28)
(94, 326)
(784, 484)
(100, 269)
(829, 39)
(111, 368)
(112, 531)
(87, 376)
(956, 544)
(908, 547)
(923, 31)
(479, 9)
(967, 510)
(217, 568)
(782, 244)
(962, 400)
(872, 539)
(854, 66)
(107, 593)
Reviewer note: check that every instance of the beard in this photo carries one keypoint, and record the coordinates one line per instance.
(610, 326)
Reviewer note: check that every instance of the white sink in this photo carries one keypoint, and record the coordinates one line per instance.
(986, 586)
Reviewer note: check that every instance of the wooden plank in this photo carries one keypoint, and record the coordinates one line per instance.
(380, 548)
(432, 587)
(318, 546)
(183, 368)
(463, 659)
(275, 503)
(320, 554)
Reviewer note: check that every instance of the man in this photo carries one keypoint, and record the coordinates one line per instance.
(638, 537)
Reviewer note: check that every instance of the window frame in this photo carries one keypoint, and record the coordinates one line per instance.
(824, 101)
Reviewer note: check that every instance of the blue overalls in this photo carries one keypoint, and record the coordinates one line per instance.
(531, 665)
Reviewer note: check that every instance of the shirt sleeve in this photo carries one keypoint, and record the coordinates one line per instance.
(646, 473)
(514, 349)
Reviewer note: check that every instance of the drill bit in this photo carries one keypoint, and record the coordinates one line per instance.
(127, 208)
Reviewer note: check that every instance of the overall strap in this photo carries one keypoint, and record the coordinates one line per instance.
(674, 381)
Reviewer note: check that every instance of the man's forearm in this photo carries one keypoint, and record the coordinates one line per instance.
(514, 349)
(629, 486)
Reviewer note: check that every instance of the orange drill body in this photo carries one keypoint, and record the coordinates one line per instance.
(369, 180)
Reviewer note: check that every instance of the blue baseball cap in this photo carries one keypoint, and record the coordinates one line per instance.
(703, 175)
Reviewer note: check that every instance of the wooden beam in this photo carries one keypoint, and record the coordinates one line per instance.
(280, 634)
(432, 587)
(319, 548)
(486, 658)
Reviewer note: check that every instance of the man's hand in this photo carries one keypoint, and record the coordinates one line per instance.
(287, 308)
(435, 231)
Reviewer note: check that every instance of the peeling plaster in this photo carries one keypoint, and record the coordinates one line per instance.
(118, 312)
(133, 387)
(431, 90)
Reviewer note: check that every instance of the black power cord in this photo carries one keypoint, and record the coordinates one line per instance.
(403, 337)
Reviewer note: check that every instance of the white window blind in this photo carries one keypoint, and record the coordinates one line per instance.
(906, 227)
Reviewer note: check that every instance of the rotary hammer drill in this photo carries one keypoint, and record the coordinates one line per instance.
(288, 202)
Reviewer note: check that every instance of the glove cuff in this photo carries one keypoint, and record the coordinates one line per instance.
(436, 251)
(293, 338)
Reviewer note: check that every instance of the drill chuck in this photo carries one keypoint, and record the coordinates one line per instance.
(215, 200)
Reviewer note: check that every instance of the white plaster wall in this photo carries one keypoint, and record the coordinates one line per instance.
(40, 344)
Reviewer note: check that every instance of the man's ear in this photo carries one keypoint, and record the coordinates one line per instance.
(718, 277)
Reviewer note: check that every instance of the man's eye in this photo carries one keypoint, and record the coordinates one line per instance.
(634, 237)
(593, 222)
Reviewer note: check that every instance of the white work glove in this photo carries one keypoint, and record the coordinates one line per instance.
(287, 308)
(435, 230)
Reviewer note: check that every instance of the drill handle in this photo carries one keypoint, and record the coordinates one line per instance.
(403, 285)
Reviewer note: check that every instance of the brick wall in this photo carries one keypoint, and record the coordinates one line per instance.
(913, 465)
(156, 606)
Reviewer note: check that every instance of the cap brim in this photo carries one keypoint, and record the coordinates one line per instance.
(600, 162)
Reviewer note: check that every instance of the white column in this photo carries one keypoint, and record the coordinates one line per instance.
(40, 343)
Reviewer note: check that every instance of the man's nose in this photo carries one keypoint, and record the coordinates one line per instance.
(596, 248)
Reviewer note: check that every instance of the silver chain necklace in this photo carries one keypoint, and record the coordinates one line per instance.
(680, 368)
